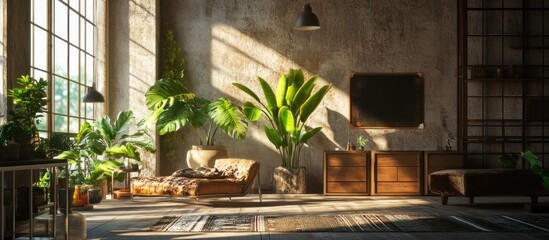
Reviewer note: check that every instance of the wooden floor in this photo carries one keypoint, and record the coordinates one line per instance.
(129, 219)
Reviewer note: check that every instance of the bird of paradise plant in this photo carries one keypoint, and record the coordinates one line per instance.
(287, 111)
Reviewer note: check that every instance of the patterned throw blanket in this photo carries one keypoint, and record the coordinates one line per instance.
(201, 172)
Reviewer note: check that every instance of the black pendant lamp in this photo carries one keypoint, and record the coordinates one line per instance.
(93, 95)
(307, 20)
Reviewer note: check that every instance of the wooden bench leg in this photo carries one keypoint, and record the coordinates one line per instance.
(471, 199)
(534, 199)
(444, 199)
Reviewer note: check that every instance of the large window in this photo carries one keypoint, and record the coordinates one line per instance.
(64, 51)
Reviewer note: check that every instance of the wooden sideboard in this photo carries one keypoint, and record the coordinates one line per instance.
(397, 173)
(384, 172)
(346, 173)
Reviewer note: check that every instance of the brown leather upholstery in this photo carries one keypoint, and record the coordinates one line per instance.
(485, 182)
(244, 171)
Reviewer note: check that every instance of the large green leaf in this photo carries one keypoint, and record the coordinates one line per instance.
(281, 90)
(70, 155)
(96, 146)
(273, 136)
(308, 134)
(122, 123)
(172, 119)
(128, 150)
(229, 118)
(296, 83)
(251, 112)
(141, 138)
(312, 102)
(106, 129)
(150, 119)
(303, 93)
(165, 92)
(170, 101)
(198, 112)
(286, 119)
(270, 97)
(247, 90)
(85, 128)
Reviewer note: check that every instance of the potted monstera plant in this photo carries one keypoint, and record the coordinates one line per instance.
(287, 111)
(173, 107)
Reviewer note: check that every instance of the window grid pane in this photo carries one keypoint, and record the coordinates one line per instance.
(68, 63)
(60, 19)
(39, 17)
(60, 89)
(60, 57)
(39, 50)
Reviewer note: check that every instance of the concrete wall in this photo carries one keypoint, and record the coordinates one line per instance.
(226, 41)
(132, 56)
(3, 85)
(17, 53)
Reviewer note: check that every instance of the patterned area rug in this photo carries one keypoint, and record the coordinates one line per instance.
(353, 223)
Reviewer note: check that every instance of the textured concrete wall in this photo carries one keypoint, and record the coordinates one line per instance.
(3, 85)
(132, 60)
(236, 41)
(17, 42)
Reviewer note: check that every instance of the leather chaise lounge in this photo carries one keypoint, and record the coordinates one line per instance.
(236, 179)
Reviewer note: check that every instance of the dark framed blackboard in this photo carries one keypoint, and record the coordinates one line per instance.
(386, 100)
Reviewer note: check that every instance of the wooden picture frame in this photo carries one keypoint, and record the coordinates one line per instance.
(386, 100)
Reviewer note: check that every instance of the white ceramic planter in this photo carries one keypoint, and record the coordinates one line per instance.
(202, 155)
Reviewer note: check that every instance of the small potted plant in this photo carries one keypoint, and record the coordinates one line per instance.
(361, 141)
(449, 142)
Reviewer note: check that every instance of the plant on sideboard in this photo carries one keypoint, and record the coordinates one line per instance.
(287, 111)
(361, 141)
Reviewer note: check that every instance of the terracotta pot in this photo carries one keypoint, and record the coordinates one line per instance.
(103, 186)
(80, 197)
(205, 155)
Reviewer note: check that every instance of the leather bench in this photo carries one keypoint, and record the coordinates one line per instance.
(485, 182)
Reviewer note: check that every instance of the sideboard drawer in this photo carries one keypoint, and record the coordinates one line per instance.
(346, 174)
(348, 160)
(398, 187)
(397, 173)
(347, 187)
